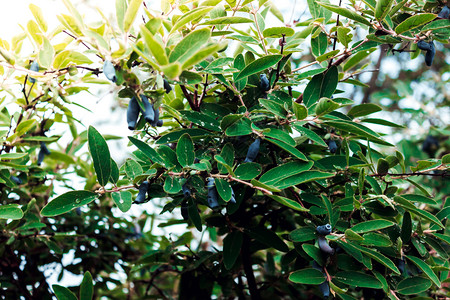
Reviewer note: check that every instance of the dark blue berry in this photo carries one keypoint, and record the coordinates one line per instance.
(253, 151)
(132, 113)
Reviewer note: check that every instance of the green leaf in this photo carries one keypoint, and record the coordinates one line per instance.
(259, 65)
(378, 257)
(435, 25)
(363, 110)
(376, 239)
(241, 127)
(63, 293)
(327, 55)
(345, 12)
(357, 58)
(147, 150)
(307, 276)
(201, 119)
(419, 198)
(12, 156)
(194, 215)
(172, 70)
(357, 129)
(303, 177)
(319, 44)
(413, 285)
(425, 268)
(66, 202)
(155, 47)
(114, 172)
(202, 54)
(382, 166)
(406, 230)
(172, 185)
(321, 85)
(232, 245)
(100, 155)
(123, 200)
(314, 253)
(39, 16)
(279, 173)
(86, 287)
(132, 168)
(288, 202)
(11, 211)
(274, 107)
(131, 13)
(172, 137)
(358, 279)
(288, 148)
(185, 150)
(278, 32)
(382, 8)
(268, 238)
(310, 134)
(303, 234)
(414, 22)
(325, 106)
(422, 213)
(46, 54)
(300, 111)
(223, 188)
(227, 20)
(194, 14)
(248, 171)
(121, 8)
(189, 45)
(372, 225)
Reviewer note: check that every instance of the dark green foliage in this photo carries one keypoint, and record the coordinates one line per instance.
(109, 71)
(184, 210)
(268, 132)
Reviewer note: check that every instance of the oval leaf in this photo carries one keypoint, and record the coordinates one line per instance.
(100, 155)
(68, 201)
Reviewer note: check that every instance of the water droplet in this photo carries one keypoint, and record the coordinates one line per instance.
(121, 201)
(77, 200)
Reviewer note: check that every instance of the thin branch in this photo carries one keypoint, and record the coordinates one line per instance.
(282, 43)
(188, 98)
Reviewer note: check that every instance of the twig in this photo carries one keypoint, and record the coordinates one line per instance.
(335, 38)
(188, 98)
(253, 12)
(282, 43)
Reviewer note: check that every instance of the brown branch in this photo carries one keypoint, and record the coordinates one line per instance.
(188, 98)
